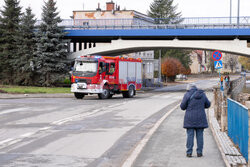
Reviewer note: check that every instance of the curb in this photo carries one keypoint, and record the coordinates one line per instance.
(229, 153)
(21, 96)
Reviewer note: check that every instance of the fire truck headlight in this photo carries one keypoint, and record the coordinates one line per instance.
(98, 57)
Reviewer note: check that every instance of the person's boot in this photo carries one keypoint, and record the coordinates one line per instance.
(199, 155)
(189, 155)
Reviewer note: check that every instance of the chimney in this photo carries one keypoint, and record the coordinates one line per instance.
(110, 6)
(98, 9)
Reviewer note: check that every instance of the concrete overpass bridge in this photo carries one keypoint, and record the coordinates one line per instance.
(118, 36)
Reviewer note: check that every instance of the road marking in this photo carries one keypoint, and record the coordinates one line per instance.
(132, 157)
(96, 110)
(6, 141)
(13, 142)
(27, 134)
(12, 110)
(64, 120)
(45, 128)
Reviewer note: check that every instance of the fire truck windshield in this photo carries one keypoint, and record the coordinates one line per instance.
(85, 66)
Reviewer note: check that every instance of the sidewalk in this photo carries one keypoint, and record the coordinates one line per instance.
(167, 147)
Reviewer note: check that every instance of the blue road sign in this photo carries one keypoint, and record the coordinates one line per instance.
(218, 64)
(217, 55)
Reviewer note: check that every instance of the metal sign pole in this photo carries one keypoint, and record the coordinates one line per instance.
(219, 77)
(217, 55)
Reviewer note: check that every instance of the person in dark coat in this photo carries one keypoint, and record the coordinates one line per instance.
(195, 121)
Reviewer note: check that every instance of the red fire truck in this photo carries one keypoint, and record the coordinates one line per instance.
(106, 76)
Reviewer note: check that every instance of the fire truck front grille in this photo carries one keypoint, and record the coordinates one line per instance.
(88, 81)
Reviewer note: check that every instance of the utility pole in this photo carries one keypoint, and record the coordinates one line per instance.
(159, 68)
(230, 11)
(238, 18)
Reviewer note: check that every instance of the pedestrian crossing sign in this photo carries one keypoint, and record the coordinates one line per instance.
(218, 64)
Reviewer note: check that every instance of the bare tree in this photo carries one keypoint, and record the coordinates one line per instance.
(231, 61)
(210, 64)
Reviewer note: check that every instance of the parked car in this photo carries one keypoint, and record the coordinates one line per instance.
(181, 76)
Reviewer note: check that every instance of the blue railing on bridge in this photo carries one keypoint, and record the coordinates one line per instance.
(145, 23)
(237, 115)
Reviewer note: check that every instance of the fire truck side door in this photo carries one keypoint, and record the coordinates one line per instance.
(102, 71)
(112, 73)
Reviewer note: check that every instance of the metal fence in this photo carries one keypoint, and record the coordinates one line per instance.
(158, 23)
(237, 115)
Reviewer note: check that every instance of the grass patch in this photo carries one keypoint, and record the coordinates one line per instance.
(32, 89)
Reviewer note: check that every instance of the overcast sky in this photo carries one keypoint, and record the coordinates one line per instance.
(188, 8)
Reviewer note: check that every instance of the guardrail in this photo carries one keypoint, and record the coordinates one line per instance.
(238, 125)
(158, 23)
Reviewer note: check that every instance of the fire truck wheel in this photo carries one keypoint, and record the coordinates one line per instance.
(79, 95)
(131, 92)
(105, 94)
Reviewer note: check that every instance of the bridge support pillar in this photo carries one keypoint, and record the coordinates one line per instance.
(68, 47)
(74, 47)
(80, 46)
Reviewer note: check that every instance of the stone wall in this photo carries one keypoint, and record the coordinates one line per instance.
(236, 87)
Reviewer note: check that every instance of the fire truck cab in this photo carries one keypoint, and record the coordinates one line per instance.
(106, 76)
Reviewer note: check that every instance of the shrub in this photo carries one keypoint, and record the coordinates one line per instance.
(170, 68)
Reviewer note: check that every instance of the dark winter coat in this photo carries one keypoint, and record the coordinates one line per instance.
(195, 116)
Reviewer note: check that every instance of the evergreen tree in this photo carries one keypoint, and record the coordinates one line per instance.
(181, 55)
(165, 12)
(9, 34)
(1, 52)
(51, 53)
(27, 46)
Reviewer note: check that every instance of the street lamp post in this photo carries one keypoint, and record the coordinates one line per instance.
(230, 11)
(159, 68)
(238, 18)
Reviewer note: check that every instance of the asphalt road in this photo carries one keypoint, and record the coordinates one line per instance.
(68, 132)
(201, 84)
